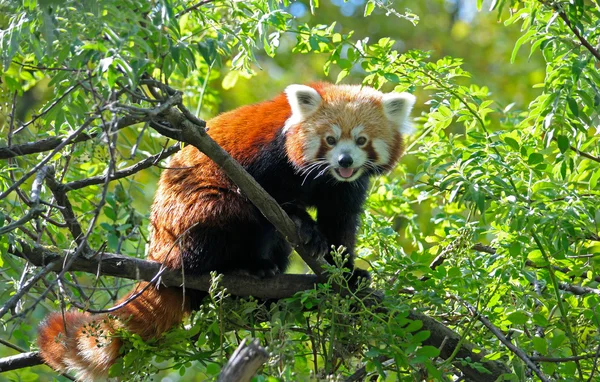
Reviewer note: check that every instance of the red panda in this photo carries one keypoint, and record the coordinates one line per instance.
(312, 146)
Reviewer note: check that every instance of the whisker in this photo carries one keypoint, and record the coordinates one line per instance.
(309, 168)
(312, 169)
(323, 171)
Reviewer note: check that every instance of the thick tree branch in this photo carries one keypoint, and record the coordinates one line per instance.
(20, 361)
(66, 210)
(108, 264)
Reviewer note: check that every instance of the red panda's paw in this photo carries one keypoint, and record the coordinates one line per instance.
(312, 240)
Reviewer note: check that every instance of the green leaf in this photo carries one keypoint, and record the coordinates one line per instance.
(594, 180)
(517, 318)
(512, 143)
(213, 369)
(414, 326)
(520, 42)
(428, 351)
(573, 106)
(230, 79)
(535, 158)
(563, 143)
(557, 340)
(369, 7)
(341, 75)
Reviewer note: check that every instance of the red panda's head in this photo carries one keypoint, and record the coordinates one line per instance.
(345, 130)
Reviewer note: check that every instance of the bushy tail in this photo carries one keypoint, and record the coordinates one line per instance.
(84, 344)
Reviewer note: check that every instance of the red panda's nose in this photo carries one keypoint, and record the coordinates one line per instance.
(345, 160)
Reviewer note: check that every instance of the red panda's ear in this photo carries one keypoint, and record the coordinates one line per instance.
(397, 107)
(303, 100)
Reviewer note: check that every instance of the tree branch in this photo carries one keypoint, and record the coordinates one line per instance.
(498, 333)
(576, 32)
(244, 362)
(125, 121)
(52, 143)
(141, 165)
(66, 210)
(108, 264)
(20, 361)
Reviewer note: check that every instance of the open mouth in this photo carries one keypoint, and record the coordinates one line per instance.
(345, 172)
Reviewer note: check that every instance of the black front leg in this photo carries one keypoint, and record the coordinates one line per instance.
(338, 221)
(312, 240)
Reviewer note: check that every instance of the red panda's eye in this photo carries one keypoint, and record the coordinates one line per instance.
(361, 141)
(330, 140)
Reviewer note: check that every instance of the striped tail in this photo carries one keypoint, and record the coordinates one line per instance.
(84, 344)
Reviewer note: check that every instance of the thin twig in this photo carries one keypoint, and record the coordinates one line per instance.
(498, 333)
(582, 153)
(43, 162)
(36, 209)
(12, 346)
(144, 164)
(50, 107)
(12, 302)
(193, 7)
(576, 32)
(562, 359)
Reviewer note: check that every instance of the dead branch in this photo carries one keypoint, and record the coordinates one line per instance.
(244, 362)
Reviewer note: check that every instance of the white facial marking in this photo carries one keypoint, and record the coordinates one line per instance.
(357, 131)
(311, 148)
(382, 150)
(337, 132)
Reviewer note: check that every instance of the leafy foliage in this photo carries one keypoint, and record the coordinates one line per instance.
(493, 212)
